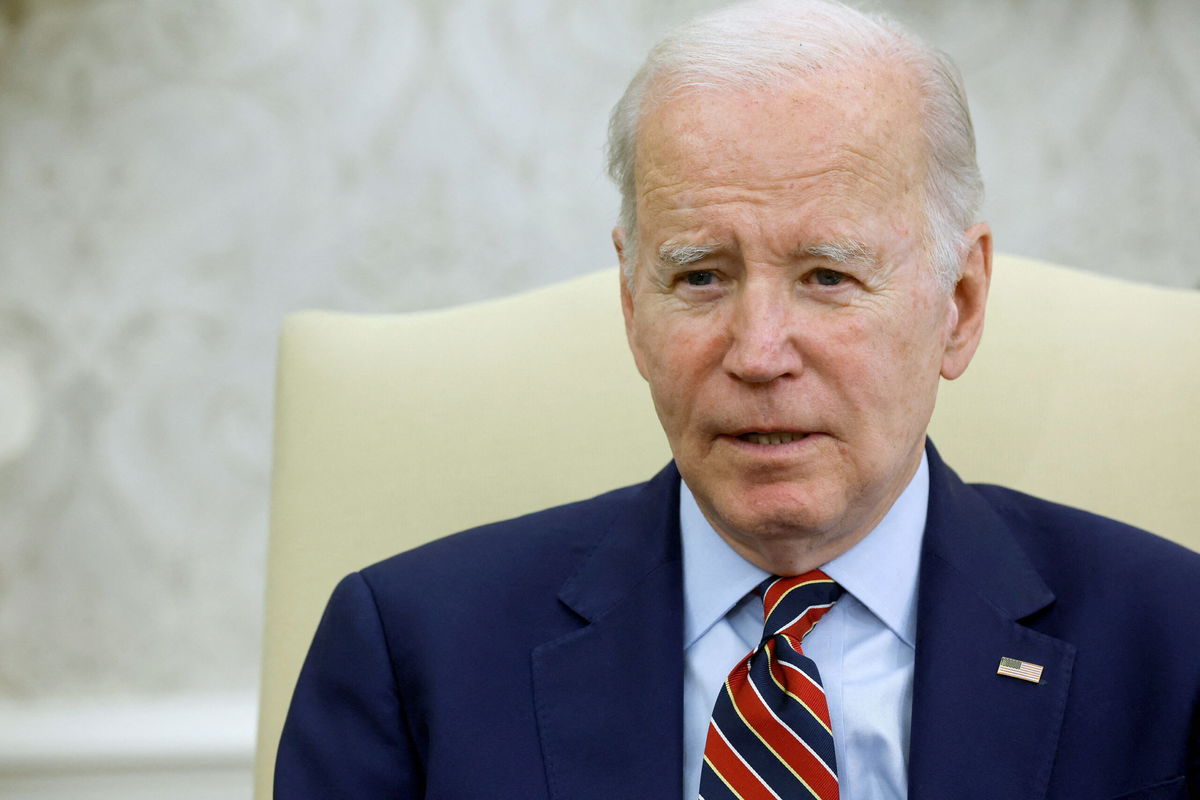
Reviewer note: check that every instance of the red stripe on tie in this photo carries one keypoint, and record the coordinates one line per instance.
(787, 745)
(796, 682)
(798, 628)
(768, 706)
(725, 761)
(776, 591)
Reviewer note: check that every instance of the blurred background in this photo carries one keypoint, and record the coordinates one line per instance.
(177, 176)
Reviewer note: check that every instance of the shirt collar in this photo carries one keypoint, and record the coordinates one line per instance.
(715, 577)
(880, 571)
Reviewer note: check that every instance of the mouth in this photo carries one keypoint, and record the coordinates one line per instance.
(773, 437)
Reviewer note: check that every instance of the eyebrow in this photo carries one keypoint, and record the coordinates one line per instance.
(680, 255)
(844, 251)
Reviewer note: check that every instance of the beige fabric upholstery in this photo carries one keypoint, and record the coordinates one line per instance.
(393, 430)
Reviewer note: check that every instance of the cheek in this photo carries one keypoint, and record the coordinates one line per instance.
(856, 350)
(916, 331)
(658, 356)
(677, 361)
(646, 340)
(913, 370)
(883, 363)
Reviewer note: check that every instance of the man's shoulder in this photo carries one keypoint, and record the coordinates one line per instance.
(569, 528)
(1065, 542)
(529, 556)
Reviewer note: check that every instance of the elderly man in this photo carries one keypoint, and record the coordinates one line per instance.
(801, 267)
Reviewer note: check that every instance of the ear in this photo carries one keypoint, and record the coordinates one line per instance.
(623, 259)
(969, 301)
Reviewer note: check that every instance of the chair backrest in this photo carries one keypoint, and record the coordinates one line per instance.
(394, 430)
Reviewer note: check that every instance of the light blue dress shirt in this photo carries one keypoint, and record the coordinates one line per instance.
(863, 647)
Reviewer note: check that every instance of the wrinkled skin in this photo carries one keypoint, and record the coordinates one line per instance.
(782, 286)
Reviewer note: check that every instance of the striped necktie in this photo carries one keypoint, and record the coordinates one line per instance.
(770, 736)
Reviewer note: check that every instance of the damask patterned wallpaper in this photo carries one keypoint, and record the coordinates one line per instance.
(175, 177)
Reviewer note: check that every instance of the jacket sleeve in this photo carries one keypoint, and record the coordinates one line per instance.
(345, 735)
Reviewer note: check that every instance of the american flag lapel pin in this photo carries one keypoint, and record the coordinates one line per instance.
(1023, 670)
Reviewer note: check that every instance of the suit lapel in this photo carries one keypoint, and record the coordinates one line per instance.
(609, 695)
(974, 731)
(971, 728)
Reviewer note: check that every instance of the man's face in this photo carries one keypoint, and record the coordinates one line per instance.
(783, 310)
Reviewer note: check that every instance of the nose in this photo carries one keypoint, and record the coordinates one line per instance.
(761, 332)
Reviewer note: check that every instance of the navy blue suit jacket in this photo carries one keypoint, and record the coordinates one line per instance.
(543, 658)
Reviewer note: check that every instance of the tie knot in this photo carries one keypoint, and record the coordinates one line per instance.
(792, 606)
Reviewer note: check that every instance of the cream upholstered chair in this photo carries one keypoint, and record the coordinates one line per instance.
(393, 430)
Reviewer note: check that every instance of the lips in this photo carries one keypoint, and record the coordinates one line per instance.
(773, 437)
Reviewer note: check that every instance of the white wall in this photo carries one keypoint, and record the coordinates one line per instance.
(192, 747)
(174, 177)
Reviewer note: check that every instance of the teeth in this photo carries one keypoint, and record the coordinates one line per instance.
(771, 438)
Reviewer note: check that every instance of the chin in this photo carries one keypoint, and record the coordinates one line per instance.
(775, 513)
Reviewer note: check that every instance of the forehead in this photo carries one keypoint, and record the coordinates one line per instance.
(849, 137)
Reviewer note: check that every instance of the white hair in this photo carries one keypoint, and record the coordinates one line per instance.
(763, 43)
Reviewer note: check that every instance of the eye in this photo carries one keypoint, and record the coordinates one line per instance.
(827, 277)
(700, 277)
